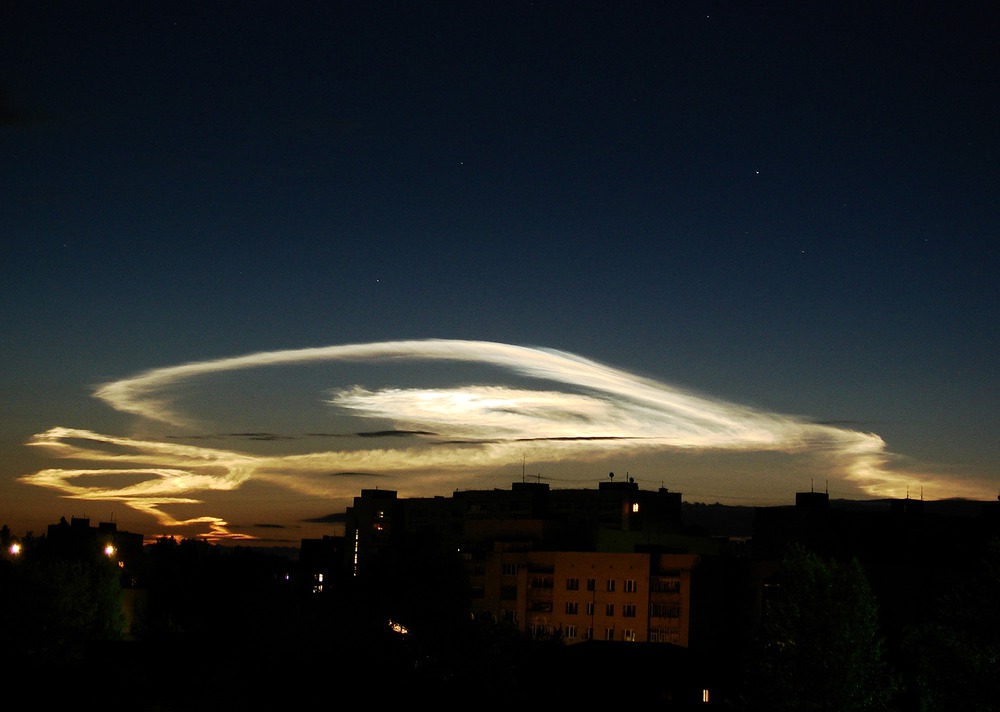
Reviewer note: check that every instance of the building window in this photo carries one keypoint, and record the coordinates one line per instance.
(665, 585)
(572, 607)
(628, 610)
(354, 571)
(510, 569)
(609, 633)
(630, 586)
(635, 507)
(569, 632)
(664, 610)
(540, 630)
(628, 635)
(664, 635)
(572, 584)
(609, 609)
(591, 584)
(704, 695)
(611, 584)
(590, 608)
(588, 633)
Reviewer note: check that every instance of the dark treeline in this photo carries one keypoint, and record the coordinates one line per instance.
(216, 627)
(231, 627)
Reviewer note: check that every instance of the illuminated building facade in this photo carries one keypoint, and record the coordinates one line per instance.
(580, 564)
(587, 595)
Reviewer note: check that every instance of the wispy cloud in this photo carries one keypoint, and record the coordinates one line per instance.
(582, 410)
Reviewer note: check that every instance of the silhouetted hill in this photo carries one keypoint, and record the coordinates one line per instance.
(955, 507)
(718, 519)
(737, 521)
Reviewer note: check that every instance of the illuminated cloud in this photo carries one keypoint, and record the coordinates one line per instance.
(583, 410)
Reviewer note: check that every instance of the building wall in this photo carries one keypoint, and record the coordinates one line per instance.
(579, 595)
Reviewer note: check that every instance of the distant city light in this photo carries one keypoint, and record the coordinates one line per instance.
(398, 628)
(109, 550)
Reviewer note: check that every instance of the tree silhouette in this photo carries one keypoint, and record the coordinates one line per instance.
(819, 646)
(54, 606)
(954, 653)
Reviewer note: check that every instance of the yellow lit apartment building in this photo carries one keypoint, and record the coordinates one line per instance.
(580, 595)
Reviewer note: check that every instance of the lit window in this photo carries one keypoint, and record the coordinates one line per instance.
(635, 507)
(704, 695)
(628, 635)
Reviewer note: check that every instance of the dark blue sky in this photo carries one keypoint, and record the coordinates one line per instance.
(790, 206)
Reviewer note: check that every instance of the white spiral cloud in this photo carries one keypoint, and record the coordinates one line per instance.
(586, 410)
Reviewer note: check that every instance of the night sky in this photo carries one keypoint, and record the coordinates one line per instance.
(259, 256)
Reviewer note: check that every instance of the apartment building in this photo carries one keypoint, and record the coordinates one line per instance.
(586, 595)
(580, 564)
